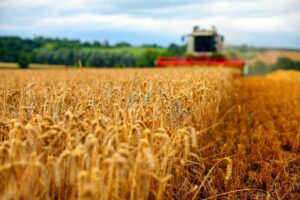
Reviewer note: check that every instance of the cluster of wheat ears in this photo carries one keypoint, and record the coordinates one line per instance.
(119, 134)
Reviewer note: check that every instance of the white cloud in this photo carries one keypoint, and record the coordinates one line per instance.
(127, 22)
(234, 18)
(229, 7)
(163, 26)
(258, 24)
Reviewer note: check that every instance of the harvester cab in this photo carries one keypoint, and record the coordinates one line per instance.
(202, 41)
(204, 48)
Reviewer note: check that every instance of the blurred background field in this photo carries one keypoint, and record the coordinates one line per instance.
(48, 53)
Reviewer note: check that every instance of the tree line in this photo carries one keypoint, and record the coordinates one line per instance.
(68, 52)
(89, 58)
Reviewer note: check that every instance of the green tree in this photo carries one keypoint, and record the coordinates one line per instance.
(286, 63)
(175, 50)
(122, 44)
(148, 58)
(259, 68)
(23, 61)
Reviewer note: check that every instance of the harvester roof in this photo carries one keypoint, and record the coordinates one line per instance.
(203, 32)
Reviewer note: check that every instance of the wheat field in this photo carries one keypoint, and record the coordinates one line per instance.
(184, 133)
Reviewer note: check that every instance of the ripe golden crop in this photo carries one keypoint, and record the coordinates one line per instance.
(148, 134)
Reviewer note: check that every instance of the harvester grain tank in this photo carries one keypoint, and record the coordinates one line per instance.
(204, 48)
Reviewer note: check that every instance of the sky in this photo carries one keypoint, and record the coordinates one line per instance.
(263, 23)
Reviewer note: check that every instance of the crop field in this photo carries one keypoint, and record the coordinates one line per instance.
(185, 133)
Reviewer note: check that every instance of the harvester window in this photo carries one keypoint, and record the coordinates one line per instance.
(204, 44)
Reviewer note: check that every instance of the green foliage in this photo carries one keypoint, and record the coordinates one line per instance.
(90, 59)
(151, 46)
(68, 52)
(122, 44)
(148, 58)
(286, 63)
(259, 68)
(232, 54)
(12, 49)
(23, 61)
(175, 50)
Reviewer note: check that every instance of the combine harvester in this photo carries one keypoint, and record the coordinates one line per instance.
(203, 49)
